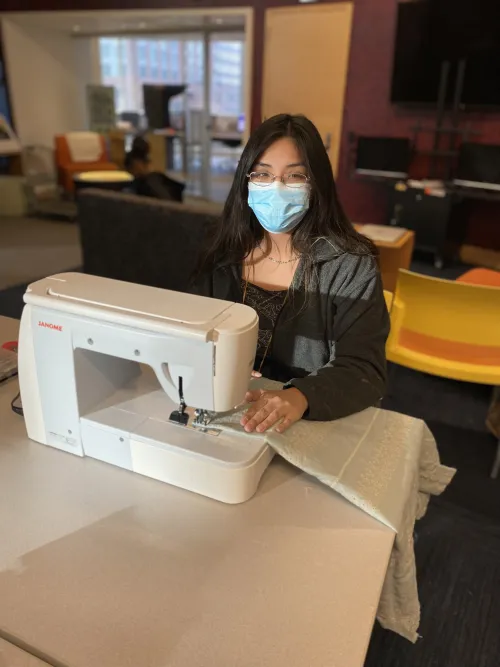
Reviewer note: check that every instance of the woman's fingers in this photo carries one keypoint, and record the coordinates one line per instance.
(285, 424)
(253, 396)
(268, 408)
(269, 421)
(251, 412)
(255, 415)
(256, 374)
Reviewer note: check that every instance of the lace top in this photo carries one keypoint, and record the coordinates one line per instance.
(267, 304)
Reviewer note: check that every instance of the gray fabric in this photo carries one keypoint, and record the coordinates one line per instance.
(329, 339)
(385, 463)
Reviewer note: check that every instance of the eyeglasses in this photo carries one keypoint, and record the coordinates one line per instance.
(264, 178)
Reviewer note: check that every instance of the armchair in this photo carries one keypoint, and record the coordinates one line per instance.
(80, 151)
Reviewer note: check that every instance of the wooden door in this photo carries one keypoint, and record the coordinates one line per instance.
(306, 54)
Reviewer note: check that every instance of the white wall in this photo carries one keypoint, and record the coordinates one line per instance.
(48, 72)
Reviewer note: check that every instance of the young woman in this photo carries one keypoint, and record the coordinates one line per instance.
(285, 247)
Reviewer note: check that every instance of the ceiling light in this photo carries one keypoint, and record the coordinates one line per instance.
(76, 28)
(142, 25)
(219, 21)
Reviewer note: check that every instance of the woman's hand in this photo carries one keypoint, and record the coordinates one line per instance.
(269, 407)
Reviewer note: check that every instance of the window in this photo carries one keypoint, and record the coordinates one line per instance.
(104, 48)
(194, 62)
(127, 63)
(4, 98)
(174, 55)
(226, 93)
(110, 53)
(124, 53)
(142, 51)
(4, 102)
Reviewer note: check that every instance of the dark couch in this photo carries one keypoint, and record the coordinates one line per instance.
(140, 239)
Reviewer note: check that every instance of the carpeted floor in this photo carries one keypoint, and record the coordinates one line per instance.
(458, 546)
(458, 560)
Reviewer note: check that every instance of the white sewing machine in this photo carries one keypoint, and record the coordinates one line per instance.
(130, 375)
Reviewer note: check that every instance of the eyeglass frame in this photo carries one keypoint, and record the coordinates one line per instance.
(279, 178)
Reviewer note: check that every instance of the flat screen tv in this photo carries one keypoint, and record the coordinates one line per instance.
(383, 156)
(478, 166)
(430, 32)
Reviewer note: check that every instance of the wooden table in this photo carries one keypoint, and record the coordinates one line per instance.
(102, 567)
(393, 255)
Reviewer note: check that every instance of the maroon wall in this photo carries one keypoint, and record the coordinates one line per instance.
(368, 111)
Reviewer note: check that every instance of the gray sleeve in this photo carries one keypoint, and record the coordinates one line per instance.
(355, 376)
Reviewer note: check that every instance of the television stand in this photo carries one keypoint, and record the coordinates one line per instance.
(430, 217)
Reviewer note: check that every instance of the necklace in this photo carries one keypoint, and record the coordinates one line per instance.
(278, 261)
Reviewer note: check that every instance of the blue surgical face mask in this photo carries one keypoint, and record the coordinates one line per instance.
(278, 208)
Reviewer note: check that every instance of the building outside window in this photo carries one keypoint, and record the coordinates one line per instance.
(128, 63)
(227, 78)
(164, 60)
(154, 61)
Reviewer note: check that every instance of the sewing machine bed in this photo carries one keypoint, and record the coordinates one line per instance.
(131, 429)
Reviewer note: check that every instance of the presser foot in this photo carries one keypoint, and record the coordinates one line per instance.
(201, 418)
(200, 423)
(178, 417)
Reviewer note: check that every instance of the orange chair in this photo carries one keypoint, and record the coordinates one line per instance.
(66, 168)
(446, 328)
(486, 277)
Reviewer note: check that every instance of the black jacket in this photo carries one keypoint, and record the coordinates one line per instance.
(329, 339)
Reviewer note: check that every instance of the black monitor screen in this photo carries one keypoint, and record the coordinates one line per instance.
(430, 33)
(383, 154)
(479, 163)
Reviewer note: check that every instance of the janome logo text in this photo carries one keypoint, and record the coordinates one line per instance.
(49, 325)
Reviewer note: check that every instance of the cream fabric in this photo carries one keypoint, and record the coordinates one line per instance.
(84, 146)
(385, 463)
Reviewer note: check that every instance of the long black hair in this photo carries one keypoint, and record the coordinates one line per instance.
(238, 231)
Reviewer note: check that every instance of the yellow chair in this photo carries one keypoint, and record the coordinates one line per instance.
(446, 328)
(388, 296)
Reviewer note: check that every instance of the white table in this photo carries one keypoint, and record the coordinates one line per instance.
(12, 656)
(102, 567)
